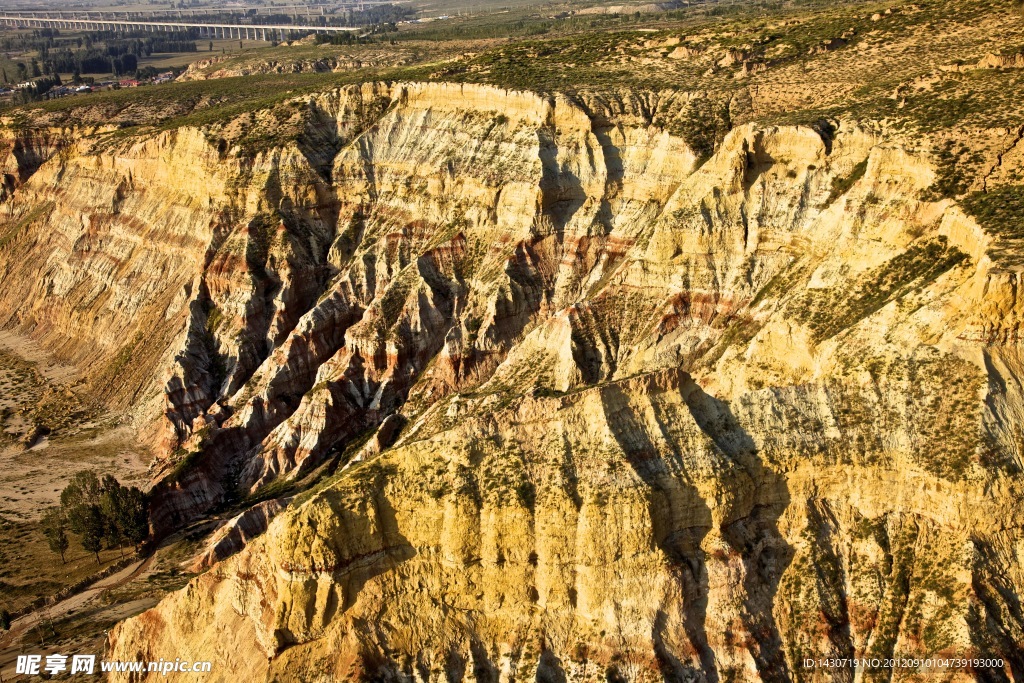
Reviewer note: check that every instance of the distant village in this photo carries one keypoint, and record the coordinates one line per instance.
(49, 88)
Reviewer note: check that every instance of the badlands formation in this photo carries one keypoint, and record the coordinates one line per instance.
(594, 405)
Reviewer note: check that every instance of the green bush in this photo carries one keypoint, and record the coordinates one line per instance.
(1000, 211)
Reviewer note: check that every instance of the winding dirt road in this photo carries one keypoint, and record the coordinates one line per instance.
(11, 642)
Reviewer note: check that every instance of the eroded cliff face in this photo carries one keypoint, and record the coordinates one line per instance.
(646, 416)
(635, 528)
(23, 151)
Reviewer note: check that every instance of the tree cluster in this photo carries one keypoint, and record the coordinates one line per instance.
(89, 61)
(346, 38)
(377, 14)
(28, 40)
(144, 45)
(95, 53)
(38, 87)
(101, 512)
(42, 85)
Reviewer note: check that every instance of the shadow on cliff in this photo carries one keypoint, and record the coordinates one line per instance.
(383, 548)
(394, 550)
(562, 192)
(674, 502)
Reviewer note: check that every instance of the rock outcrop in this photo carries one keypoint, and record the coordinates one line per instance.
(234, 534)
(24, 151)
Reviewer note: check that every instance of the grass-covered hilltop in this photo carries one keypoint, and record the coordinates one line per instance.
(947, 69)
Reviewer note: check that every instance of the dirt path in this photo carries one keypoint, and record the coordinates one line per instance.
(27, 349)
(11, 642)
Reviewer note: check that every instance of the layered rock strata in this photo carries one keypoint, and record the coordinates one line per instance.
(645, 415)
